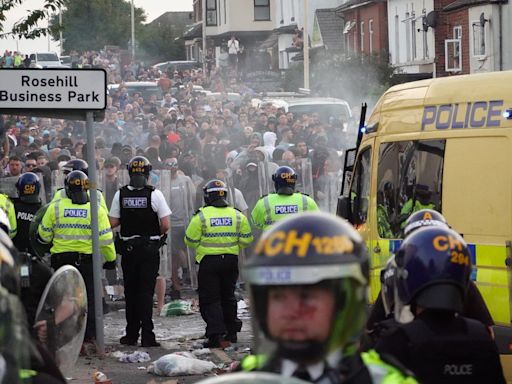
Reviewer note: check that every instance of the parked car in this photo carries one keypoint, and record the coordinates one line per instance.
(44, 60)
(66, 60)
(180, 65)
(145, 88)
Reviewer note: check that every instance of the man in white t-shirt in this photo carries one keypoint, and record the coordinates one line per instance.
(233, 48)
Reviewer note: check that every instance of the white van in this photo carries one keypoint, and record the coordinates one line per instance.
(45, 60)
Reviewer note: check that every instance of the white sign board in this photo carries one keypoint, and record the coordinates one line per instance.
(77, 89)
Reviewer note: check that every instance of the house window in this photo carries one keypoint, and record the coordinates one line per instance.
(354, 35)
(478, 39)
(457, 35)
(407, 22)
(261, 10)
(362, 36)
(413, 36)
(370, 32)
(211, 12)
(397, 39)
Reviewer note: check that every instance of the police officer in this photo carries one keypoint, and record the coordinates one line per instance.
(67, 224)
(34, 273)
(218, 232)
(308, 281)
(474, 304)
(143, 214)
(77, 165)
(439, 345)
(7, 206)
(284, 202)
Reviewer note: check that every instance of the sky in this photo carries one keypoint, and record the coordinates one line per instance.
(153, 9)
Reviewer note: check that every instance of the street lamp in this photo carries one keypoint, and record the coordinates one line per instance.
(305, 38)
(133, 32)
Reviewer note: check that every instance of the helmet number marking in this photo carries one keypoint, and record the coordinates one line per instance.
(459, 258)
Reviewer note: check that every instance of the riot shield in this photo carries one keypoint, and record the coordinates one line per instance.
(14, 338)
(182, 198)
(304, 177)
(265, 178)
(8, 186)
(39, 248)
(251, 378)
(329, 185)
(58, 178)
(62, 315)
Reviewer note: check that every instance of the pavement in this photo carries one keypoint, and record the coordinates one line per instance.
(178, 333)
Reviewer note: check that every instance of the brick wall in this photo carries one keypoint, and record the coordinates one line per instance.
(376, 12)
(444, 30)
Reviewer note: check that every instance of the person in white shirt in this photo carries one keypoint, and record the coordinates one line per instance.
(233, 48)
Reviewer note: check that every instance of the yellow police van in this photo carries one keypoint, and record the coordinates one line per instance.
(444, 144)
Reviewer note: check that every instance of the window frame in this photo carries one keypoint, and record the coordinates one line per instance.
(361, 35)
(370, 37)
(256, 6)
(212, 11)
(358, 174)
(482, 39)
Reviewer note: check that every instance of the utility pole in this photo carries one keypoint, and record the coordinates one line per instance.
(305, 37)
(60, 33)
(203, 11)
(133, 32)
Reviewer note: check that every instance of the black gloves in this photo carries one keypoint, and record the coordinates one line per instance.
(109, 265)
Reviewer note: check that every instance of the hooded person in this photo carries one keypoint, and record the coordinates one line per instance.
(269, 142)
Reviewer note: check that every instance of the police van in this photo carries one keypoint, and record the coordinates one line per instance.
(444, 144)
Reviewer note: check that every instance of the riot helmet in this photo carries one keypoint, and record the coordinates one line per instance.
(424, 218)
(139, 168)
(387, 282)
(28, 187)
(284, 180)
(75, 165)
(76, 186)
(309, 252)
(215, 193)
(433, 269)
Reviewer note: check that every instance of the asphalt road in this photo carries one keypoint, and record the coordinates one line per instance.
(180, 333)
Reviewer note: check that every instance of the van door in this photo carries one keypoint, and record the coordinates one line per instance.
(359, 193)
(477, 202)
(409, 178)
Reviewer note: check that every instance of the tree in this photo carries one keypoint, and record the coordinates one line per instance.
(28, 26)
(160, 41)
(92, 24)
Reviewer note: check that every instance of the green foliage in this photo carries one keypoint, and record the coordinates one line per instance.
(92, 24)
(28, 27)
(157, 41)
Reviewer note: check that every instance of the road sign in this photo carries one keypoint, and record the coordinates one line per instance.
(54, 89)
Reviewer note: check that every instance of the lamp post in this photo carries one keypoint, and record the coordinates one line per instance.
(133, 32)
(305, 38)
(203, 11)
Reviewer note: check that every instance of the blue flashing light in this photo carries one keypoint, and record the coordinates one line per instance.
(507, 114)
(363, 129)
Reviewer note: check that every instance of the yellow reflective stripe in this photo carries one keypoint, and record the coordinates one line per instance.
(268, 213)
(56, 211)
(219, 245)
(491, 277)
(71, 237)
(238, 222)
(304, 203)
(203, 221)
(106, 242)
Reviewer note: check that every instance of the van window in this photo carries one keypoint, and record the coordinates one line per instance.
(409, 178)
(47, 57)
(360, 189)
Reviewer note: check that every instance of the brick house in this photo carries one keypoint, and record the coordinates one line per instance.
(467, 36)
(366, 26)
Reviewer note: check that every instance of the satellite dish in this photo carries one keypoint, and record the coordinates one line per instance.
(432, 17)
(483, 20)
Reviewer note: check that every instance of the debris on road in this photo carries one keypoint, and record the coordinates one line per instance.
(134, 357)
(180, 363)
(177, 308)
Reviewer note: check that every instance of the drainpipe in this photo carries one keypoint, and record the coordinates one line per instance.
(500, 35)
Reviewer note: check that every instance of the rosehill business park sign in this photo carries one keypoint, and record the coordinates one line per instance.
(53, 92)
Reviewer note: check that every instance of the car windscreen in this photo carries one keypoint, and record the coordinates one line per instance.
(325, 111)
(145, 92)
(47, 57)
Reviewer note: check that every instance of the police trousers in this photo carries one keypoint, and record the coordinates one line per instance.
(216, 287)
(82, 262)
(140, 265)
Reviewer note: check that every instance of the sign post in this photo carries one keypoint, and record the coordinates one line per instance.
(79, 94)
